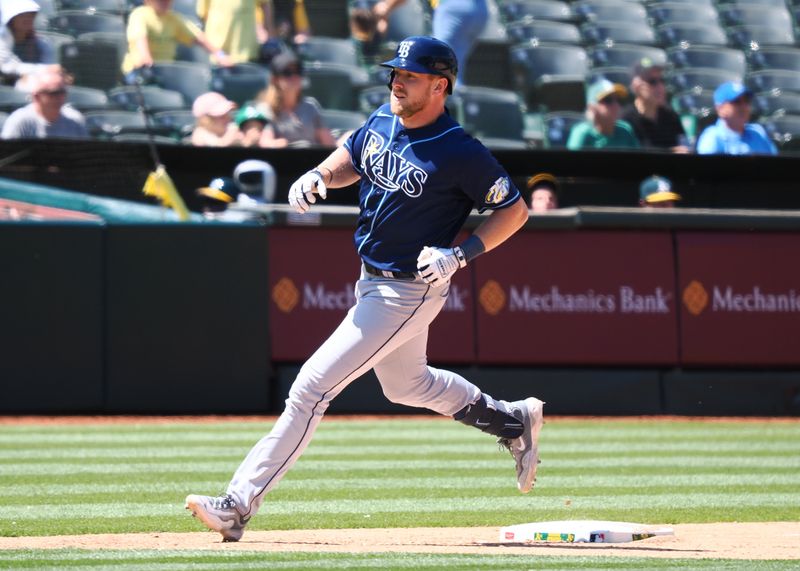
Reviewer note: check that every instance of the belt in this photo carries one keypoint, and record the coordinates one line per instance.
(388, 273)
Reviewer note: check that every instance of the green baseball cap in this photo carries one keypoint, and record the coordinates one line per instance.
(657, 189)
(249, 113)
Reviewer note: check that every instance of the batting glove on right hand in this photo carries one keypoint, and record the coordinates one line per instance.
(301, 193)
(437, 265)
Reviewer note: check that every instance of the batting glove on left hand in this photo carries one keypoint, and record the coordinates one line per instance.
(301, 193)
(437, 265)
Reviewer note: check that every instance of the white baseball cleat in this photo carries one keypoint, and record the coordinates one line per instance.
(525, 448)
(218, 514)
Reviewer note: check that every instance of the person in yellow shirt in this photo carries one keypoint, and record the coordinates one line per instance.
(237, 26)
(154, 32)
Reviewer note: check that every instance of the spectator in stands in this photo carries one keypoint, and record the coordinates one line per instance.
(733, 134)
(154, 31)
(251, 122)
(294, 120)
(46, 116)
(603, 128)
(364, 32)
(288, 21)
(544, 192)
(233, 26)
(22, 52)
(654, 122)
(214, 126)
(656, 192)
(458, 23)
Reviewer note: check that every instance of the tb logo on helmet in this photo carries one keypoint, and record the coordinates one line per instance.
(403, 48)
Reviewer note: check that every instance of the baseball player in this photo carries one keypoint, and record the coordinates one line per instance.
(420, 176)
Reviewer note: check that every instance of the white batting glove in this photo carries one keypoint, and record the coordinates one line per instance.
(301, 193)
(437, 265)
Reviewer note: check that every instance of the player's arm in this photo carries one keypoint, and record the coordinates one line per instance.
(437, 265)
(335, 171)
(497, 228)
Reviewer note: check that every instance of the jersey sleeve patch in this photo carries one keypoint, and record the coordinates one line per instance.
(498, 192)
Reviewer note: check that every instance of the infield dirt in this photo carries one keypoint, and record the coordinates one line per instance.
(775, 540)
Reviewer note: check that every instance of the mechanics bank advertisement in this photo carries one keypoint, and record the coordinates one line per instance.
(578, 298)
(739, 298)
(312, 277)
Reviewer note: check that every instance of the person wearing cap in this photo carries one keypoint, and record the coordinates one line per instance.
(154, 32)
(214, 126)
(216, 197)
(656, 192)
(294, 120)
(733, 134)
(22, 52)
(232, 25)
(251, 122)
(654, 122)
(544, 192)
(603, 128)
(46, 116)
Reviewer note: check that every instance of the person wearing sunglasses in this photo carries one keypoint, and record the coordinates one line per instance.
(46, 116)
(654, 122)
(603, 128)
(294, 120)
(733, 134)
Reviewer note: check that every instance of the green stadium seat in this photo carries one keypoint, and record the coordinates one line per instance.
(605, 32)
(93, 62)
(335, 86)
(682, 12)
(553, 10)
(550, 77)
(526, 30)
(694, 34)
(12, 99)
(106, 124)
(77, 22)
(155, 98)
(117, 7)
(557, 127)
(187, 78)
(774, 57)
(336, 50)
(490, 113)
(784, 131)
(340, 122)
(729, 59)
(625, 55)
(241, 82)
(773, 79)
(87, 98)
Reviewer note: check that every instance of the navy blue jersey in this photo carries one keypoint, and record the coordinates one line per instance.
(418, 186)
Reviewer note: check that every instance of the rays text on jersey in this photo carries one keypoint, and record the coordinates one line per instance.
(389, 170)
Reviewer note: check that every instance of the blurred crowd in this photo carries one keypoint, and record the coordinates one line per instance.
(258, 73)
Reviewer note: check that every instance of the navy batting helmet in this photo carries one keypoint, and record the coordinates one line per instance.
(424, 54)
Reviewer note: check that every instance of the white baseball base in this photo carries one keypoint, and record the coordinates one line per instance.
(580, 531)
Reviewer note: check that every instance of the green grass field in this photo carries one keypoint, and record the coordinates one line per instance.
(110, 478)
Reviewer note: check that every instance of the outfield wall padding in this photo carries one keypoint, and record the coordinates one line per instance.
(187, 319)
(51, 317)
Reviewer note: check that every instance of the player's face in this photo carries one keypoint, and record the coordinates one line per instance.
(411, 92)
(542, 200)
